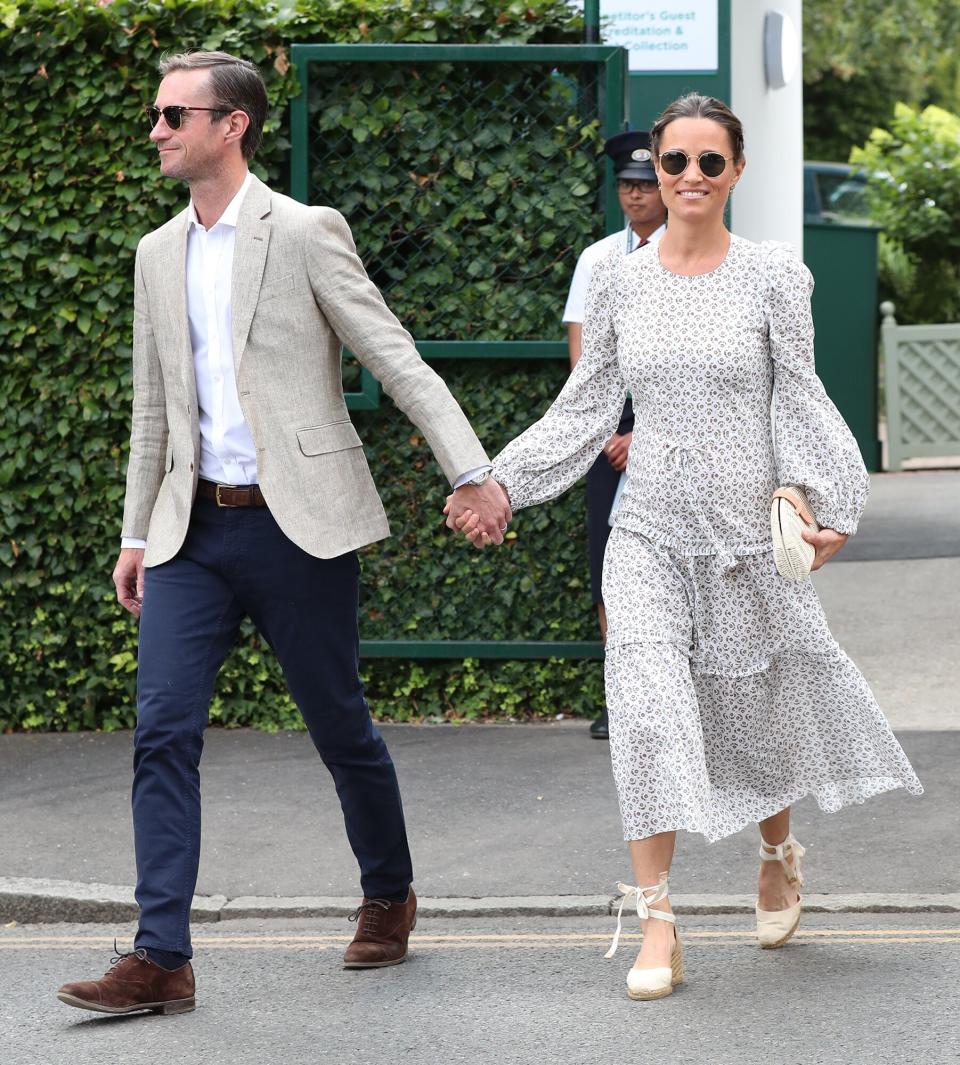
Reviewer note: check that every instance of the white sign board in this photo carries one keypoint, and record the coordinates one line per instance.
(665, 35)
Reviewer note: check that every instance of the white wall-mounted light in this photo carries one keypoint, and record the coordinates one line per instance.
(781, 49)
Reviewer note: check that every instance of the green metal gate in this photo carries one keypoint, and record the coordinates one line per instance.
(523, 98)
(530, 99)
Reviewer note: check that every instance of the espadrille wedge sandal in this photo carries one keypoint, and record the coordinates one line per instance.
(775, 927)
(658, 982)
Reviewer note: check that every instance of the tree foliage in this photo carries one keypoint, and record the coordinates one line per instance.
(79, 187)
(914, 195)
(863, 56)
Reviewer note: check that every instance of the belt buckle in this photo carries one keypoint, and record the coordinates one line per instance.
(220, 503)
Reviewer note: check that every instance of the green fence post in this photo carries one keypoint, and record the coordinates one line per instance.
(591, 21)
(614, 113)
(300, 129)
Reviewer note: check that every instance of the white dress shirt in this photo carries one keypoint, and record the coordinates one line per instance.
(228, 454)
(227, 451)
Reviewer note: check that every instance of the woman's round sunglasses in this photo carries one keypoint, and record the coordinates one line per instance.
(173, 115)
(711, 164)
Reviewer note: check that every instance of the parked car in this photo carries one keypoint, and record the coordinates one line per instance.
(834, 192)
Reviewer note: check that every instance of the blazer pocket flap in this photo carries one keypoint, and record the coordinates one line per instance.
(275, 288)
(322, 439)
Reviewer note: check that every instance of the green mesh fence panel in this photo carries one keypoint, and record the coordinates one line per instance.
(470, 187)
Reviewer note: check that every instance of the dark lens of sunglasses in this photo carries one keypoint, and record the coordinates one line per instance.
(674, 162)
(711, 164)
(171, 115)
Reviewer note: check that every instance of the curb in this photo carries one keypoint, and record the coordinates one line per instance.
(32, 901)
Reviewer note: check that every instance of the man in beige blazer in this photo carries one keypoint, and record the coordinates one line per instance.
(247, 495)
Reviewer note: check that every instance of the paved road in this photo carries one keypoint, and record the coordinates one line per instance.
(872, 987)
(900, 622)
(492, 810)
(523, 811)
(909, 515)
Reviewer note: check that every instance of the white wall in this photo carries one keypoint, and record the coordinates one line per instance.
(768, 201)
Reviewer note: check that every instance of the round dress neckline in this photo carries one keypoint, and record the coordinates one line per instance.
(707, 273)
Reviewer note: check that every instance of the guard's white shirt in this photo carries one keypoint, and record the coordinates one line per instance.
(626, 240)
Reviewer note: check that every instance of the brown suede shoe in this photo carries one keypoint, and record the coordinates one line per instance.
(382, 931)
(134, 983)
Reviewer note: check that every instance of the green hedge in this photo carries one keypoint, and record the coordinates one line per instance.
(470, 185)
(79, 187)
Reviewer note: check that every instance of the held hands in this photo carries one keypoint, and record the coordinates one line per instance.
(128, 579)
(826, 543)
(616, 450)
(481, 513)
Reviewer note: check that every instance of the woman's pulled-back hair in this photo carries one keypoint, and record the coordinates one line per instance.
(693, 105)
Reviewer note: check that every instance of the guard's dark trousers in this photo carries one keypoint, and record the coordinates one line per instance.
(237, 562)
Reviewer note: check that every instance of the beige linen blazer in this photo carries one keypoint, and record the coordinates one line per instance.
(299, 292)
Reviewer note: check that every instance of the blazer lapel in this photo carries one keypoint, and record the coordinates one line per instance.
(175, 255)
(249, 258)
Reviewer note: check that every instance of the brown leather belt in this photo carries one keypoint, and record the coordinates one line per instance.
(225, 495)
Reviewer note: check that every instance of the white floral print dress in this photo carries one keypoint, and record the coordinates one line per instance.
(729, 698)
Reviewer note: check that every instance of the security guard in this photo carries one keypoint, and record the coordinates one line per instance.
(646, 223)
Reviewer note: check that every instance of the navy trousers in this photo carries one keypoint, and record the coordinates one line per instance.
(237, 562)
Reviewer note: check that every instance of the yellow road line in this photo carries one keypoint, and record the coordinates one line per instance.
(12, 941)
(418, 946)
(493, 937)
(473, 937)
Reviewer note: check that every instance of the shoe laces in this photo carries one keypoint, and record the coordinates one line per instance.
(119, 956)
(371, 910)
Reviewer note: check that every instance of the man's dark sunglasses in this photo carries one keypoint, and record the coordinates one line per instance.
(711, 164)
(173, 115)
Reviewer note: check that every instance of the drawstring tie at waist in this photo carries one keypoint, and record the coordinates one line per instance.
(681, 455)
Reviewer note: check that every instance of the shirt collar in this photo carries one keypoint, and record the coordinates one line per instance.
(634, 240)
(232, 212)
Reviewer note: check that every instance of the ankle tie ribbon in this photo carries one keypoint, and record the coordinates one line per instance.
(780, 852)
(659, 893)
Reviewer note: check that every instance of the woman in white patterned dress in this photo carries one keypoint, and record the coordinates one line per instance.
(729, 698)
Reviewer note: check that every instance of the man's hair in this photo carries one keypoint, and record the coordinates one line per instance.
(693, 105)
(236, 85)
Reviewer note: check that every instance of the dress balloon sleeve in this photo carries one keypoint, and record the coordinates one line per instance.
(556, 451)
(814, 446)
